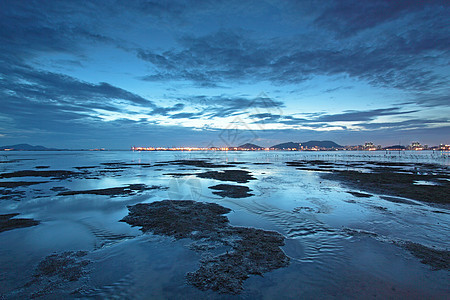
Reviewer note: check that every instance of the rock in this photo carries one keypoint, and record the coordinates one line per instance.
(130, 189)
(251, 251)
(231, 191)
(8, 223)
(239, 176)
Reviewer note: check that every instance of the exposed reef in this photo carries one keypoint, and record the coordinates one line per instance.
(58, 271)
(231, 191)
(67, 265)
(251, 251)
(437, 259)
(195, 163)
(8, 194)
(14, 184)
(7, 222)
(386, 178)
(360, 195)
(394, 184)
(130, 189)
(239, 176)
(55, 174)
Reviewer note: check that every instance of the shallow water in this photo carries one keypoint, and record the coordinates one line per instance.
(312, 213)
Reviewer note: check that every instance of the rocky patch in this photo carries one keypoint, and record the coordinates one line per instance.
(231, 191)
(251, 251)
(8, 222)
(128, 190)
(239, 176)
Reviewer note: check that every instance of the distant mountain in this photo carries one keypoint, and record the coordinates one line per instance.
(289, 145)
(250, 146)
(321, 144)
(310, 144)
(26, 147)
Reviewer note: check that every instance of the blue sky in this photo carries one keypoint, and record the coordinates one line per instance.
(86, 74)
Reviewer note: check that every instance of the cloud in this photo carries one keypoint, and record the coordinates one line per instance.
(393, 44)
(227, 57)
(27, 82)
(227, 105)
(184, 116)
(369, 115)
(403, 125)
(349, 17)
(347, 116)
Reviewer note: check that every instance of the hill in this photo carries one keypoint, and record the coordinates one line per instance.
(321, 144)
(250, 146)
(26, 147)
(309, 144)
(289, 145)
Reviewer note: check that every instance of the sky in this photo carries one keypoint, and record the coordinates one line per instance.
(115, 74)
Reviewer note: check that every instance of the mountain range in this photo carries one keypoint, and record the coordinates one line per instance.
(26, 147)
(292, 145)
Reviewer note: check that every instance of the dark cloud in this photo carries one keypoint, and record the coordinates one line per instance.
(227, 57)
(323, 119)
(165, 110)
(208, 60)
(352, 116)
(225, 106)
(29, 83)
(402, 125)
(51, 103)
(348, 17)
(184, 116)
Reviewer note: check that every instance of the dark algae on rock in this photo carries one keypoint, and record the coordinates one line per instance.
(58, 271)
(8, 222)
(67, 265)
(395, 184)
(180, 219)
(251, 251)
(239, 176)
(130, 189)
(254, 252)
(359, 195)
(231, 191)
(437, 259)
(196, 163)
(386, 178)
(56, 174)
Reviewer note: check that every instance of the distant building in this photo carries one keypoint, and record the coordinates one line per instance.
(369, 146)
(415, 146)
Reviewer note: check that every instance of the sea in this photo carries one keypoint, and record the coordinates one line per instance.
(314, 215)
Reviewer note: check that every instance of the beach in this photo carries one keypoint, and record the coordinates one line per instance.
(224, 224)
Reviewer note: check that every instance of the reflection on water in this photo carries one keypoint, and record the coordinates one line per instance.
(312, 213)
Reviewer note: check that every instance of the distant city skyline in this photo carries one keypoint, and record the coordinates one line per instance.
(112, 74)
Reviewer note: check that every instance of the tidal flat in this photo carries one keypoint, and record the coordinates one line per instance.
(224, 225)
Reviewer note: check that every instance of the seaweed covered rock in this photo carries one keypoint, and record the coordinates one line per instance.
(8, 222)
(57, 273)
(232, 191)
(239, 176)
(68, 265)
(128, 190)
(250, 251)
(254, 252)
(180, 219)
